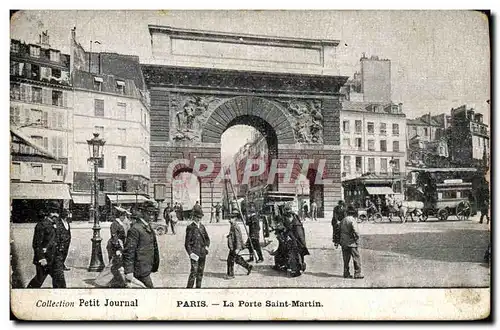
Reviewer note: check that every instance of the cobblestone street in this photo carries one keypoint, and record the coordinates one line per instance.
(430, 254)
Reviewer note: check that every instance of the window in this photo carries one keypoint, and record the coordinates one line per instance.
(34, 51)
(383, 145)
(15, 171)
(120, 87)
(395, 129)
(122, 135)
(383, 165)
(426, 131)
(15, 68)
(347, 164)
(57, 172)
(15, 115)
(55, 56)
(99, 130)
(100, 162)
(395, 145)
(371, 145)
(37, 171)
(359, 164)
(122, 111)
(414, 131)
(57, 98)
(346, 142)
(450, 194)
(36, 94)
(36, 116)
(122, 162)
(101, 184)
(396, 166)
(35, 72)
(58, 146)
(15, 91)
(99, 108)
(357, 126)
(56, 73)
(40, 141)
(122, 185)
(371, 165)
(345, 126)
(98, 84)
(383, 128)
(359, 144)
(397, 187)
(371, 128)
(14, 47)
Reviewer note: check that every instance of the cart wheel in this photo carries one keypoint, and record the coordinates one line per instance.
(361, 218)
(443, 214)
(463, 211)
(160, 230)
(425, 216)
(377, 217)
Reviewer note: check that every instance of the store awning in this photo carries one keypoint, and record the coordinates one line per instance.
(87, 199)
(379, 190)
(32, 190)
(126, 199)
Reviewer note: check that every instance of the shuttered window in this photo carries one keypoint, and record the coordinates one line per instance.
(99, 108)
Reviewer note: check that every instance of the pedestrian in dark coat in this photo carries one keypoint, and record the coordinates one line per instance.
(253, 222)
(48, 254)
(196, 244)
(349, 240)
(141, 256)
(181, 212)
(168, 215)
(64, 233)
(235, 245)
(297, 245)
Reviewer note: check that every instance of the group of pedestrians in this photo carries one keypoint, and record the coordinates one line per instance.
(51, 241)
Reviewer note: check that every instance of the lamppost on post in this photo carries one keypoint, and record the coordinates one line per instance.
(96, 146)
(392, 164)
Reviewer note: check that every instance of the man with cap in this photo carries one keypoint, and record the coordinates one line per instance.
(235, 245)
(196, 244)
(253, 223)
(141, 256)
(349, 241)
(48, 252)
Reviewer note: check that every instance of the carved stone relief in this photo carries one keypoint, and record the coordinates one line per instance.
(188, 114)
(306, 119)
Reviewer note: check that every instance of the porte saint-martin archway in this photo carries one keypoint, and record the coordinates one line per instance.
(192, 106)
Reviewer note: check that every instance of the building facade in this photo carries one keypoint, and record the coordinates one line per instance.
(111, 102)
(372, 128)
(468, 138)
(41, 112)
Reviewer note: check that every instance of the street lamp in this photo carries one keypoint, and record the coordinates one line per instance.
(96, 146)
(392, 164)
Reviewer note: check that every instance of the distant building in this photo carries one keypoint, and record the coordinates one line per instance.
(112, 101)
(372, 128)
(41, 118)
(468, 137)
(426, 140)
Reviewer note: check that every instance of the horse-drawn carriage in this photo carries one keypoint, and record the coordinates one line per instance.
(441, 195)
(451, 197)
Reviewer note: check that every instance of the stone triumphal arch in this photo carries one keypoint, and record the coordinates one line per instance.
(202, 83)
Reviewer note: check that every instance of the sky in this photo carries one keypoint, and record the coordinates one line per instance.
(440, 59)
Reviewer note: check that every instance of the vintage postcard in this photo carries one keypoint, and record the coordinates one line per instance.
(250, 165)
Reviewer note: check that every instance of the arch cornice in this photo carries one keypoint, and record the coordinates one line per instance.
(222, 116)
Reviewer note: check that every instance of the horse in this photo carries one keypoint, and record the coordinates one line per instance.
(410, 208)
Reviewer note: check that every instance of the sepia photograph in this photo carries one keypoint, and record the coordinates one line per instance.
(249, 164)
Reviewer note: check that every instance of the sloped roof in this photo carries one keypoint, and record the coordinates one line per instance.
(29, 142)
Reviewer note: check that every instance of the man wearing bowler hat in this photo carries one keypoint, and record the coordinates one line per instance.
(141, 256)
(196, 244)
